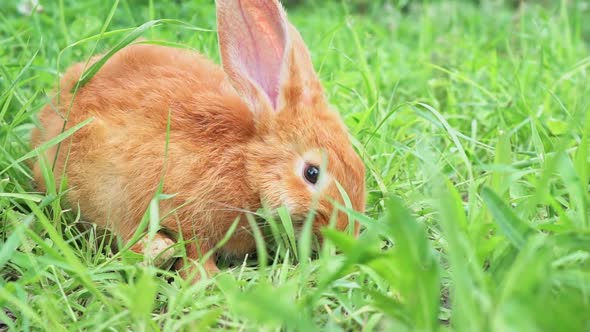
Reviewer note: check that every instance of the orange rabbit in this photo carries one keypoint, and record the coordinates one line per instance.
(256, 132)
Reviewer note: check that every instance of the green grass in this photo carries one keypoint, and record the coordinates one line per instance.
(472, 122)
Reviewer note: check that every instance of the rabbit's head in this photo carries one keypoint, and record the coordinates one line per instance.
(302, 150)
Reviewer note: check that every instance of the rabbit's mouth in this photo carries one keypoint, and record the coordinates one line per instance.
(300, 228)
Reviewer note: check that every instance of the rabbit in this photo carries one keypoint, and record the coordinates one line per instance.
(256, 131)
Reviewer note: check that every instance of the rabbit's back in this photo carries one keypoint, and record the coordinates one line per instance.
(146, 83)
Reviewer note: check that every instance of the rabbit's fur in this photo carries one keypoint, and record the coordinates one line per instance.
(240, 135)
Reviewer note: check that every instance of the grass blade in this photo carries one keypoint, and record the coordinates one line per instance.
(46, 145)
(515, 229)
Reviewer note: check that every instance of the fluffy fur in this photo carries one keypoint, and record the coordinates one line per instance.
(239, 135)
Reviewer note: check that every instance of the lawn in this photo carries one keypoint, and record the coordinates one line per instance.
(471, 119)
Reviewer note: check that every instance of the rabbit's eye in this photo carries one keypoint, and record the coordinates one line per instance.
(311, 173)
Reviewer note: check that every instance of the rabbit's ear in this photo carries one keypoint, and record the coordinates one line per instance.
(253, 37)
(299, 84)
(264, 56)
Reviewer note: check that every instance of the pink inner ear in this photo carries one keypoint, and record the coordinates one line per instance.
(259, 36)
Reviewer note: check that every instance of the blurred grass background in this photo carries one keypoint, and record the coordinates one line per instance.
(471, 117)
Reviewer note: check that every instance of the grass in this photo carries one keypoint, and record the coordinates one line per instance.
(471, 118)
